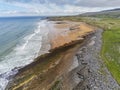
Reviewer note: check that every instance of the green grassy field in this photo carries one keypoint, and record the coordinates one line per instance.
(110, 52)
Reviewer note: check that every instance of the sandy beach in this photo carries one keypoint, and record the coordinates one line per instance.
(63, 41)
(63, 32)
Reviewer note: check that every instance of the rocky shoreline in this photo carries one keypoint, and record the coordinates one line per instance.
(92, 71)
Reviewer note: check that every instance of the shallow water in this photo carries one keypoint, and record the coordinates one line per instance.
(20, 42)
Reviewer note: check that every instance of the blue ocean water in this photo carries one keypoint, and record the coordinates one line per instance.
(14, 29)
(20, 41)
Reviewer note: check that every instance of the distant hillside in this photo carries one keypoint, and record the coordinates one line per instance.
(114, 13)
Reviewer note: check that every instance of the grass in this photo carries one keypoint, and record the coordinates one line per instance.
(111, 51)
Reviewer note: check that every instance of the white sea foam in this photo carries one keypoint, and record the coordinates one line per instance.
(23, 54)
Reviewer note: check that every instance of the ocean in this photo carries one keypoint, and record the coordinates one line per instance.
(20, 42)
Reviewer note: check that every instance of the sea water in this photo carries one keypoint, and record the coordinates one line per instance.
(20, 42)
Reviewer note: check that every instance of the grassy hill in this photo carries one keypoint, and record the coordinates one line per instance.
(114, 13)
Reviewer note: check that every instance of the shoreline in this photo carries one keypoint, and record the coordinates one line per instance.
(43, 59)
